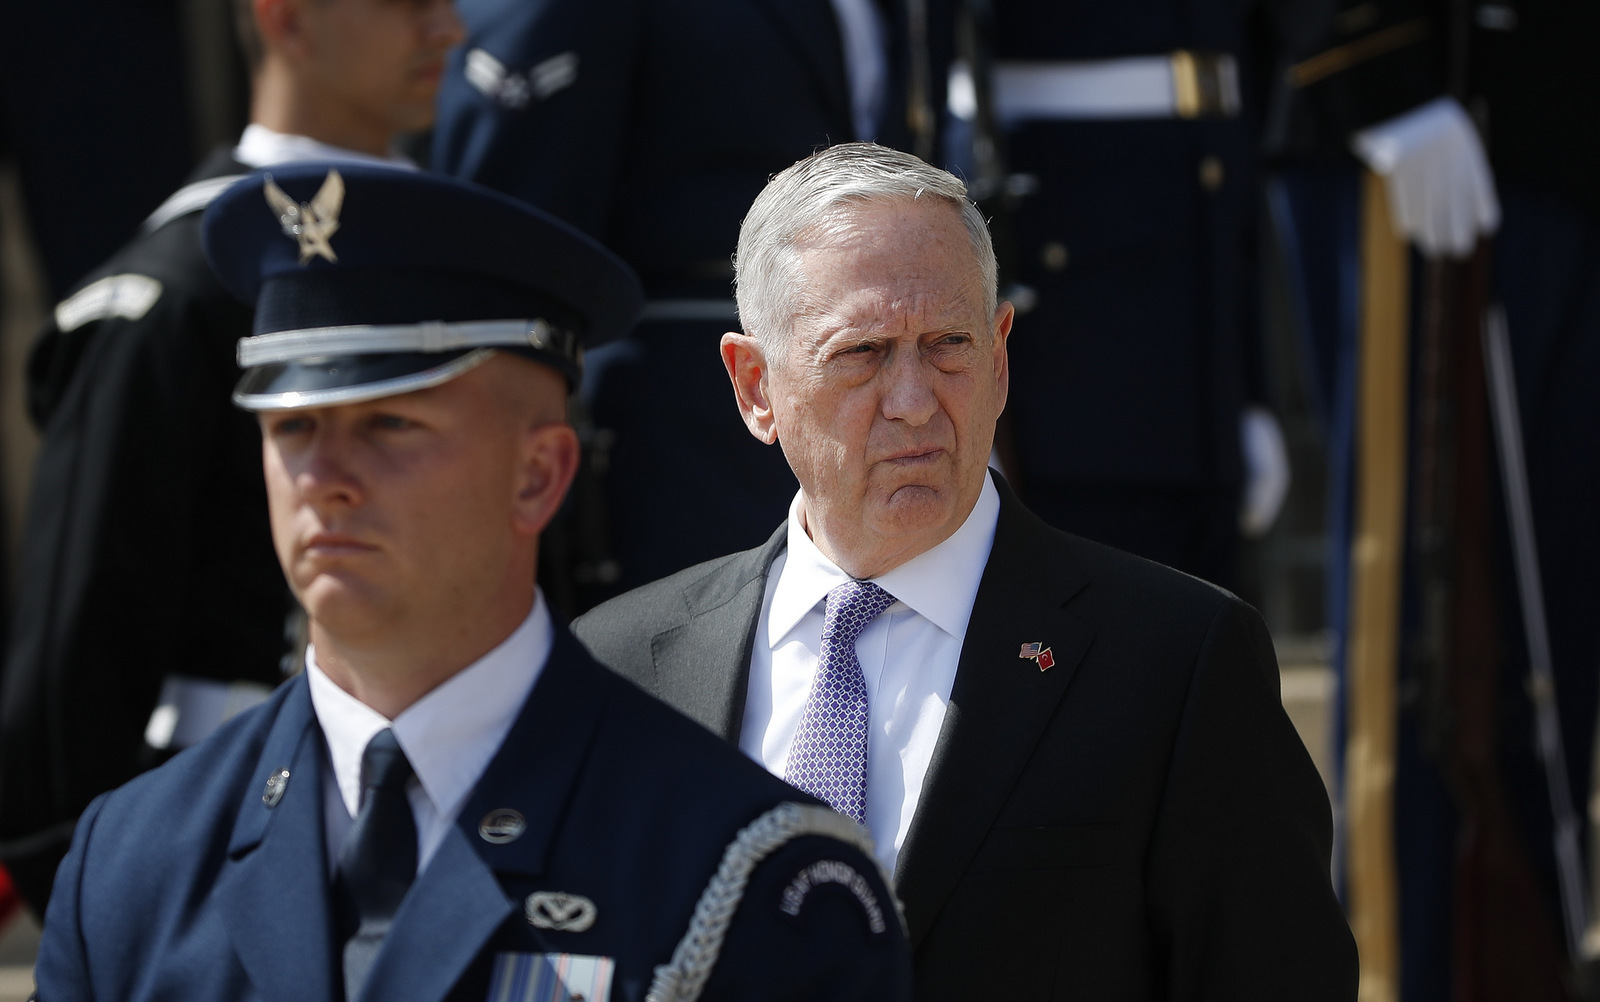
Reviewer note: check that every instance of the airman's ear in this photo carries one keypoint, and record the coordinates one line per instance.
(747, 368)
(547, 462)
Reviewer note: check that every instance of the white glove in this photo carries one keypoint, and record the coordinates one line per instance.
(1441, 190)
(1266, 471)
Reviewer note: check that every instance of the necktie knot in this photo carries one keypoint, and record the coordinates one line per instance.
(850, 607)
(384, 765)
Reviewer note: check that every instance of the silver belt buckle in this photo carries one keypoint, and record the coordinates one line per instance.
(1204, 84)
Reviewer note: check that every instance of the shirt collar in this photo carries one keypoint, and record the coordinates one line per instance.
(450, 734)
(940, 584)
(260, 146)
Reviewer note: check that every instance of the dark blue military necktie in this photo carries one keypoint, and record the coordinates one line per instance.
(378, 860)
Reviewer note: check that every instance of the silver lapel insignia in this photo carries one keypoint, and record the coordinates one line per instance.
(312, 223)
(560, 912)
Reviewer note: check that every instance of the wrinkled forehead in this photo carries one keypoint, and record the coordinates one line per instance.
(892, 251)
(886, 220)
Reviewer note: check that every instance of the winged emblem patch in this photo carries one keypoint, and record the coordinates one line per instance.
(312, 223)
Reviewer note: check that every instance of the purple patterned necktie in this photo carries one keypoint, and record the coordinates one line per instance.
(829, 756)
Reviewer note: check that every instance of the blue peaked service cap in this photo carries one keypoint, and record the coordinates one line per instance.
(370, 281)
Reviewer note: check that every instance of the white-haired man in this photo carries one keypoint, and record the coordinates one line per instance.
(1074, 761)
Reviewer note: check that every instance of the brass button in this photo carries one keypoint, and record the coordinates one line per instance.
(1053, 256)
(1211, 173)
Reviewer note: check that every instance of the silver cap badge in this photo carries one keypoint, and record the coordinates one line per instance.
(312, 223)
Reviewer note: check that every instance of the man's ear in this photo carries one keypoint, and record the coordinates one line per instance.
(281, 25)
(547, 462)
(747, 368)
(1004, 315)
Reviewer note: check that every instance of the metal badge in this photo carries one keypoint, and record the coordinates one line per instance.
(560, 912)
(276, 784)
(1039, 654)
(312, 223)
(502, 826)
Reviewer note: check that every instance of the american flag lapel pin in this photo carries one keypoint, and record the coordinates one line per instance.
(1039, 654)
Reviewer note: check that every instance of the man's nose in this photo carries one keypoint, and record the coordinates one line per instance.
(908, 390)
(325, 474)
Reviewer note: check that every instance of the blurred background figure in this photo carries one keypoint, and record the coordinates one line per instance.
(1491, 661)
(147, 506)
(1112, 143)
(1120, 150)
(652, 126)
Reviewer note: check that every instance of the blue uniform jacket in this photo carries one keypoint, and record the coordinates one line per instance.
(188, 884)
(651, 125)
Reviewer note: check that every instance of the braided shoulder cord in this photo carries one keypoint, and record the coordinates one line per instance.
(684, 977)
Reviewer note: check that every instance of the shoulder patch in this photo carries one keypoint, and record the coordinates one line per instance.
(514, 89)
(683, 978)
(127, 296)
(833, 871)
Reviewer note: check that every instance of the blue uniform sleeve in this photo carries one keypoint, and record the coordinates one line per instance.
(61, 972)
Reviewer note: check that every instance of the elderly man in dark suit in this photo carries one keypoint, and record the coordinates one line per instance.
(454, 801)
(1074, 761)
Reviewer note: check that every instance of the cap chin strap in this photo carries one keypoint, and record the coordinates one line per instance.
(381, 339)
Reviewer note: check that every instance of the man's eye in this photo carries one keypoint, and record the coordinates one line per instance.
(391, 422)
(289, 426)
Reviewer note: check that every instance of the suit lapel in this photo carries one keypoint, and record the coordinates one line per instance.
(273, 895)
(810, 26)
(1000, 704)
(457, 903)
(703, 666)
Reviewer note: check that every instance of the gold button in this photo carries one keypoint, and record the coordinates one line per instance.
(1211, 175)
(1053, 255)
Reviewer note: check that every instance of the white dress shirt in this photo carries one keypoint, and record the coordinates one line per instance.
(449, 735)
(260, 146)
(908, 655)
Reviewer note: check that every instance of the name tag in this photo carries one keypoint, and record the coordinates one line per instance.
(550, 977)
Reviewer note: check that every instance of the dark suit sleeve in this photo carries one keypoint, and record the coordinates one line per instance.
(538, 102)
(1237, 871)
(61, 970)
(843, 940)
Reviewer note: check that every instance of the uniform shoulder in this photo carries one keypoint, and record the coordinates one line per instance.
(157, 294)
(200, 785)
(796, 898)
(690, 752)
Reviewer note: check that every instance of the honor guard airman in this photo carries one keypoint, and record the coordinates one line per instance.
(454, 800)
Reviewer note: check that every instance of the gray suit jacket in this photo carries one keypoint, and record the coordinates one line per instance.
(1138, 821)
